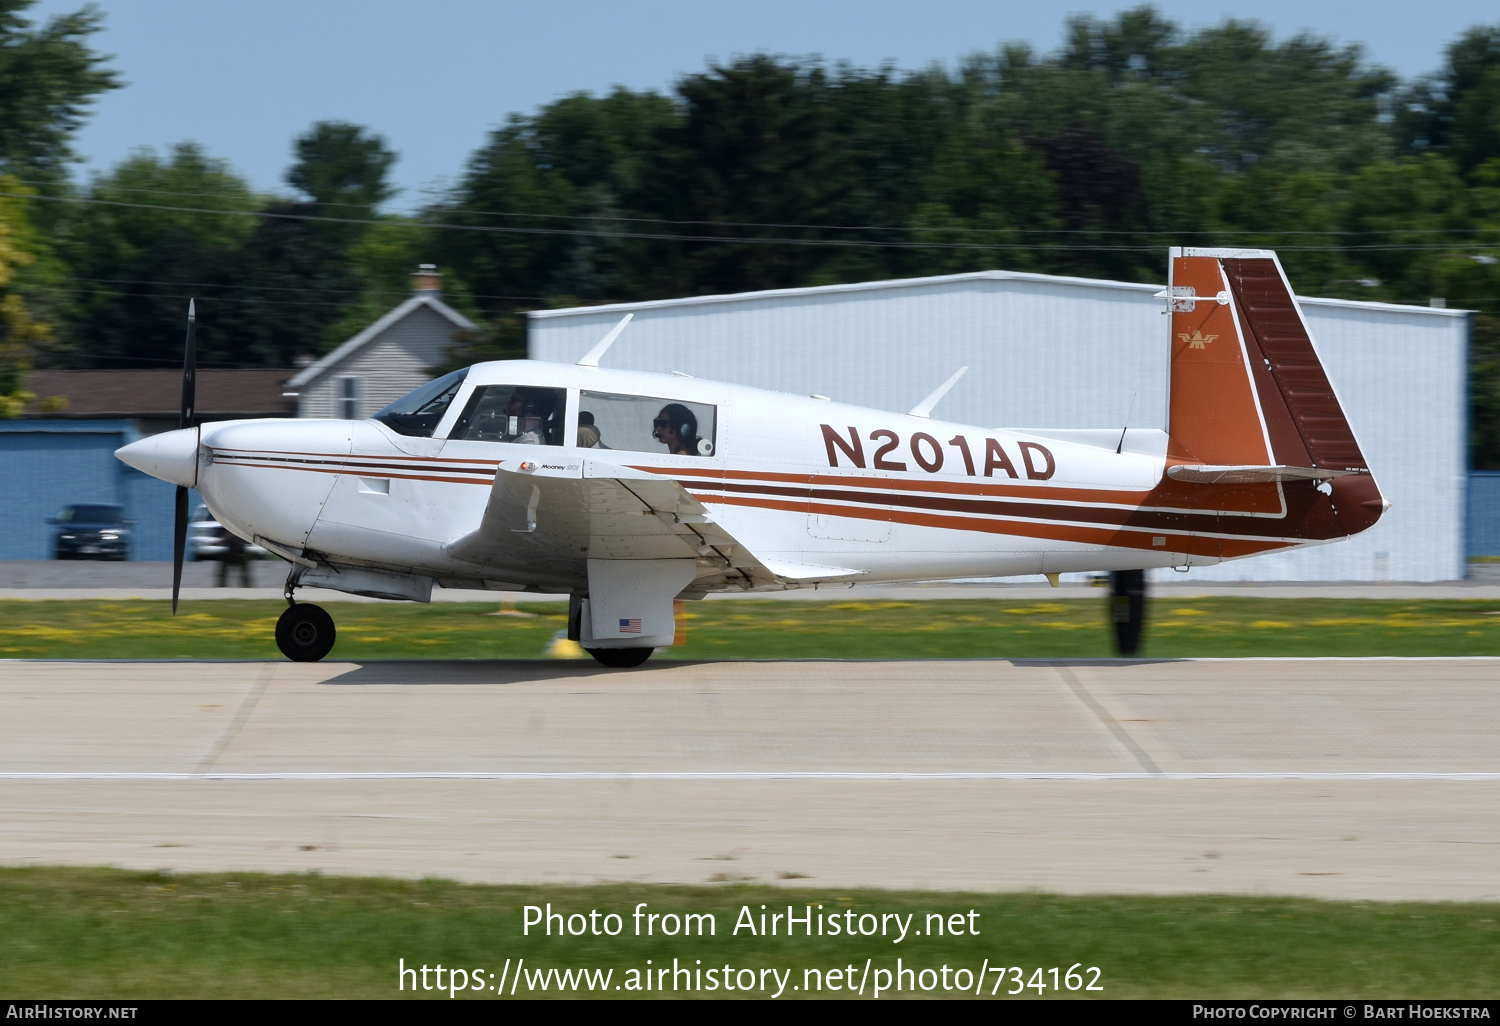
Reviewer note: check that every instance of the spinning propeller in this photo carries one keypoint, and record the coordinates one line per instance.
(185, 420)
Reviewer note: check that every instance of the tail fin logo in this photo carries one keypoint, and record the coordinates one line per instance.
(1197, 340)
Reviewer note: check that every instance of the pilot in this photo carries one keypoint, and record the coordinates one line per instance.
(527, 417)
(677, 428)
(588, 432)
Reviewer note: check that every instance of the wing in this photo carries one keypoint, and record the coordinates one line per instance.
(544, 526)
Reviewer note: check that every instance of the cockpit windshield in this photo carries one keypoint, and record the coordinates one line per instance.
(418, 412)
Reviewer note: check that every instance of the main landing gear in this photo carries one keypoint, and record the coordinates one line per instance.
(620, 658)
(1127, 608)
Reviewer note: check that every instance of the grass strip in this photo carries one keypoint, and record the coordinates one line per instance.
(105, 933)
(754, 629)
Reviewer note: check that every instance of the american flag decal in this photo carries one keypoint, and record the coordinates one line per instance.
(630, 626)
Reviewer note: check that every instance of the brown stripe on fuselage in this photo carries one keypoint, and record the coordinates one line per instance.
(345, 456)
(1168, 495)
(1303, 522)
(1198, 545)
(336, 466)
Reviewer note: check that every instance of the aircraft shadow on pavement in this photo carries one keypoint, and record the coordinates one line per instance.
(1102, 661)
(427, 672)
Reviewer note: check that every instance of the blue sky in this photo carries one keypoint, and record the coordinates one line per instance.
(434, 76)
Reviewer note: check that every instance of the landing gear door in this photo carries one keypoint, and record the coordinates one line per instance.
(630, 601)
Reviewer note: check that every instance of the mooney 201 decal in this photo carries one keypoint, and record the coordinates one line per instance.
(628, 490)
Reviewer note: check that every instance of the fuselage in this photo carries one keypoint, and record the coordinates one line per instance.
(890, 497)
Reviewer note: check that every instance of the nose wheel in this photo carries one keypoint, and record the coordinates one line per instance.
(305, 633)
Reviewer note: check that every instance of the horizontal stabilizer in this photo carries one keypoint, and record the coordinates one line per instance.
(1206, 474)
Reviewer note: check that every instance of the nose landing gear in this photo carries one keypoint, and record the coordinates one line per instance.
(305, 633)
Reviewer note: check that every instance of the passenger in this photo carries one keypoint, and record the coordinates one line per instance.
(588, 433)
(676, 427)
(528, 415)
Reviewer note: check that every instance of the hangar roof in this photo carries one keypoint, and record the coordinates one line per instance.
(944, 279)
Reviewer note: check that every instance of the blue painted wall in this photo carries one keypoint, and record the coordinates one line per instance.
(1483, 520)
(46, 464)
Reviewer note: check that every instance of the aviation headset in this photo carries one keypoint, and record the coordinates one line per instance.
(685, 423)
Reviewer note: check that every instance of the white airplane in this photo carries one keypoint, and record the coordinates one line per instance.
(629, 490)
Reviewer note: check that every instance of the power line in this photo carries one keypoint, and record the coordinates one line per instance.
(620, 219)
(731, 240)
(290, 288)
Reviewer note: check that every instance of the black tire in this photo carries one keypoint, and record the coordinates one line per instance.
(305, 633)
(620, 658)
(1127, 609)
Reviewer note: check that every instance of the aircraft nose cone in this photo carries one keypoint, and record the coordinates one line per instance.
(171, 456)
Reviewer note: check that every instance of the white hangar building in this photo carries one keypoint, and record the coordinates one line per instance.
(1056, 352)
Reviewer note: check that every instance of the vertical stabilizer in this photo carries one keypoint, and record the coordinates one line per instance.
(1249, 399)
(1213, 411)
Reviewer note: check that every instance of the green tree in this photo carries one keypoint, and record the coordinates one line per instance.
(561, 177)
(20, 332)
(142, 239)
(343, 168)
(1457, 110)
(154, 232)
(48, 79)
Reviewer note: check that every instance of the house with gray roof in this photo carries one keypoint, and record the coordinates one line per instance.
(386, 360)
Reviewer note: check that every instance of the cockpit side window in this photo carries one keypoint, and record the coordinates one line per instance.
(520, 414)
(418, 412)
(646, 424)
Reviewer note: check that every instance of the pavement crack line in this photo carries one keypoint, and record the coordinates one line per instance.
(247, 706)
(1115, 726)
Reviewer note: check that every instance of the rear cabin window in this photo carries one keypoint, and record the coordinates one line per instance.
(521, 414)
(644, 424)
(418, 412)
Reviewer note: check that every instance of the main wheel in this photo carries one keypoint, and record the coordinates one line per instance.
(620, 658)
(1127, 607)
(305, 633)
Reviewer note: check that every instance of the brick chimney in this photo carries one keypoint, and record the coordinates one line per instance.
(427, 281)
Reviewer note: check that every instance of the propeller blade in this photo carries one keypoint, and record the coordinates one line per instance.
(185, 420)
(189, 372)
(179, 543)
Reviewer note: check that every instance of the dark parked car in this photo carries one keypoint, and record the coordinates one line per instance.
(91, 531)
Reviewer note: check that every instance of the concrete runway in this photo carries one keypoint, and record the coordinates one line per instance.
(1367, 779)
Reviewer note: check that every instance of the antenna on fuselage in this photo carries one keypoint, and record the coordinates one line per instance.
(923, 409)
(1121, 447)
(591, 358)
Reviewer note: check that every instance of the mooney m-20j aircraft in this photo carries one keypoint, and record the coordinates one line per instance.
(630, 490)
